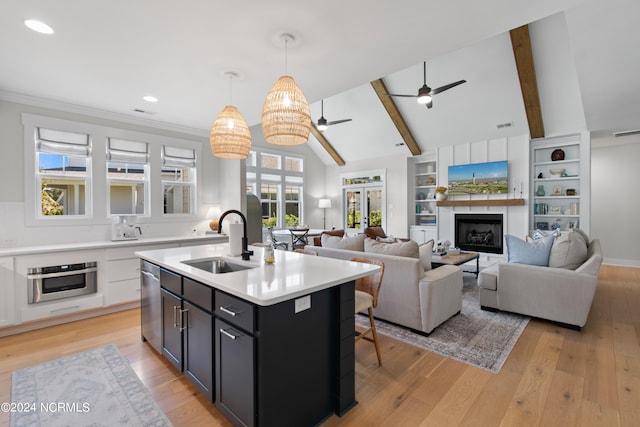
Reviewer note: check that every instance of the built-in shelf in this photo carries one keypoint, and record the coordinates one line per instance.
(492, 202)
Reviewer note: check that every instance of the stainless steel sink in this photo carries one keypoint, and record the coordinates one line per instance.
(217, 265)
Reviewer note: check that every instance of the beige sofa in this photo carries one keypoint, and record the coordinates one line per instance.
(558, 294)
(409, 295)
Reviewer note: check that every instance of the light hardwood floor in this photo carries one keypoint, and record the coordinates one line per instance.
(553, 377)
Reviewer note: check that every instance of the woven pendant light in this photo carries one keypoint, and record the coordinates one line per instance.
(286, 119)
(230, 137)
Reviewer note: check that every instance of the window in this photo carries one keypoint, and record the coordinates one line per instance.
(63, 173)
(292, 200)
(69, 163)
(127, 176)
(279, 179)
(269, 201)
(178, 180)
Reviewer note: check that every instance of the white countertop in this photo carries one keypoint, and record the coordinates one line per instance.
(292, 275)
(29, 250)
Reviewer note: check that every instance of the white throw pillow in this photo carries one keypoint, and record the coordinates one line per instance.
(407, 249)
(569, 251)
(426, 250)
(355, 243)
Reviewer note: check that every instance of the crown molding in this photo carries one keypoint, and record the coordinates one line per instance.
(98, 113)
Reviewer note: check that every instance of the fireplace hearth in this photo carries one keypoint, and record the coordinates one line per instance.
(479, 232)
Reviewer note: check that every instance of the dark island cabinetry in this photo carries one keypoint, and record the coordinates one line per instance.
(288, 363)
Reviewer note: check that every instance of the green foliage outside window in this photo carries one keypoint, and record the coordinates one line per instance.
(50, 205)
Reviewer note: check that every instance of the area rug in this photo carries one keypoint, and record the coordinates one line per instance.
(94, 388)
(479, 338)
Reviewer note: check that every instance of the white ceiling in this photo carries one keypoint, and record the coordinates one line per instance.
(108, 55)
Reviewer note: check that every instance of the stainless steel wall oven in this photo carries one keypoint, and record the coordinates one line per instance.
(61, 281)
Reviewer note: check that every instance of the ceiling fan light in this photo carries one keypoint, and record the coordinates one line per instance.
(286, 119)
(424, 99)
(322, 124)
(230, 137)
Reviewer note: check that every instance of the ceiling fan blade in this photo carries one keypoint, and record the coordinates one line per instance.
(446, 87)
(337, 122)
(396, 94)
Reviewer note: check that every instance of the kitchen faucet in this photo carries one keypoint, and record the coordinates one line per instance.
(246, 253)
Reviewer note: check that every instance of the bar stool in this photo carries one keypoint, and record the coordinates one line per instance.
(367, 290)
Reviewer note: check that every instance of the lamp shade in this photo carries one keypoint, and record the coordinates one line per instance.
(324, 203)
(286, 119)
(230, 137)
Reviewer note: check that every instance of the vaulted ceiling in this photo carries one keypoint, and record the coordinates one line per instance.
(108, 55)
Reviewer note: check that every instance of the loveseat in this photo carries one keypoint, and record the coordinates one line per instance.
(411, 295)
(562, 292)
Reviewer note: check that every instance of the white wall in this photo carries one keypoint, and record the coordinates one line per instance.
(556, 76)
(614, 200)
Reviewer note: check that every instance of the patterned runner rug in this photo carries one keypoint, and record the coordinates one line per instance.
(476, 337)
(94, 388)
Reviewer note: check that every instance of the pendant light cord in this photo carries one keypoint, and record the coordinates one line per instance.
(286, 59)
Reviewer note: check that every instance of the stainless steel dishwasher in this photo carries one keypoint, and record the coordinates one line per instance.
(151, 304)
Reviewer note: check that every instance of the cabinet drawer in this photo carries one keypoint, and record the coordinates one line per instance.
(123, 291)
(197, 293)
(171, 281)
(123, 269)
(235, 311)
(129, 251)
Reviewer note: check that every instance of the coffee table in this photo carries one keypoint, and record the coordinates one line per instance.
(457, 259)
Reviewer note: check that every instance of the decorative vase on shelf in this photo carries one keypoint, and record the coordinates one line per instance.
(557, 154)
(441, 196)
(540, 191)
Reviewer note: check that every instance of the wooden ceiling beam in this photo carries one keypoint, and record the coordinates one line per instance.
(396, 117)
(326, 145)
(521, 45)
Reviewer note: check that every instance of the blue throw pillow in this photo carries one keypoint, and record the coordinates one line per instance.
(535, 252)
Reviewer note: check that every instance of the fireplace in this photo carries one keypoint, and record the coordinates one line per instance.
(479, 232)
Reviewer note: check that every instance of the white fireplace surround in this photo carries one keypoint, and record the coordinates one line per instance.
(515, 218)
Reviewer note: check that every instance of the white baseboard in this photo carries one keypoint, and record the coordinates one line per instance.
(622, 262)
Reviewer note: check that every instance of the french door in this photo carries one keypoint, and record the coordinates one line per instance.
(364, 207)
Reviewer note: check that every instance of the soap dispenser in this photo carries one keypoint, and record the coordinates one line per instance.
(269, 254)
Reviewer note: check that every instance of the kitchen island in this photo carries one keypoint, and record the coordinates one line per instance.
(269, 344)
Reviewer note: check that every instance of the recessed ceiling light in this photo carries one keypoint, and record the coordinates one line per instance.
(38, 26)
(150, 98)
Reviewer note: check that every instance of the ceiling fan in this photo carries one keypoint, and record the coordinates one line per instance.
(323, 124)
(425, 93)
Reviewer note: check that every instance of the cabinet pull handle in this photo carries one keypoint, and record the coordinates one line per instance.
(229, 312)
(175, 316)
(230, 335)
(184, 324)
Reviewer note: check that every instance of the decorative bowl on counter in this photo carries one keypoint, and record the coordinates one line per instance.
(557, 171)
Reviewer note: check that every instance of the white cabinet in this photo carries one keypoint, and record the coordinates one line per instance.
(421, 234)
(423, 212)
(560, 183)
(7, 299)
(123, 272)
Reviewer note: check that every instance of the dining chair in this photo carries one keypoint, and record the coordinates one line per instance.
(276, 243)
(367, 290)
(299, 237)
